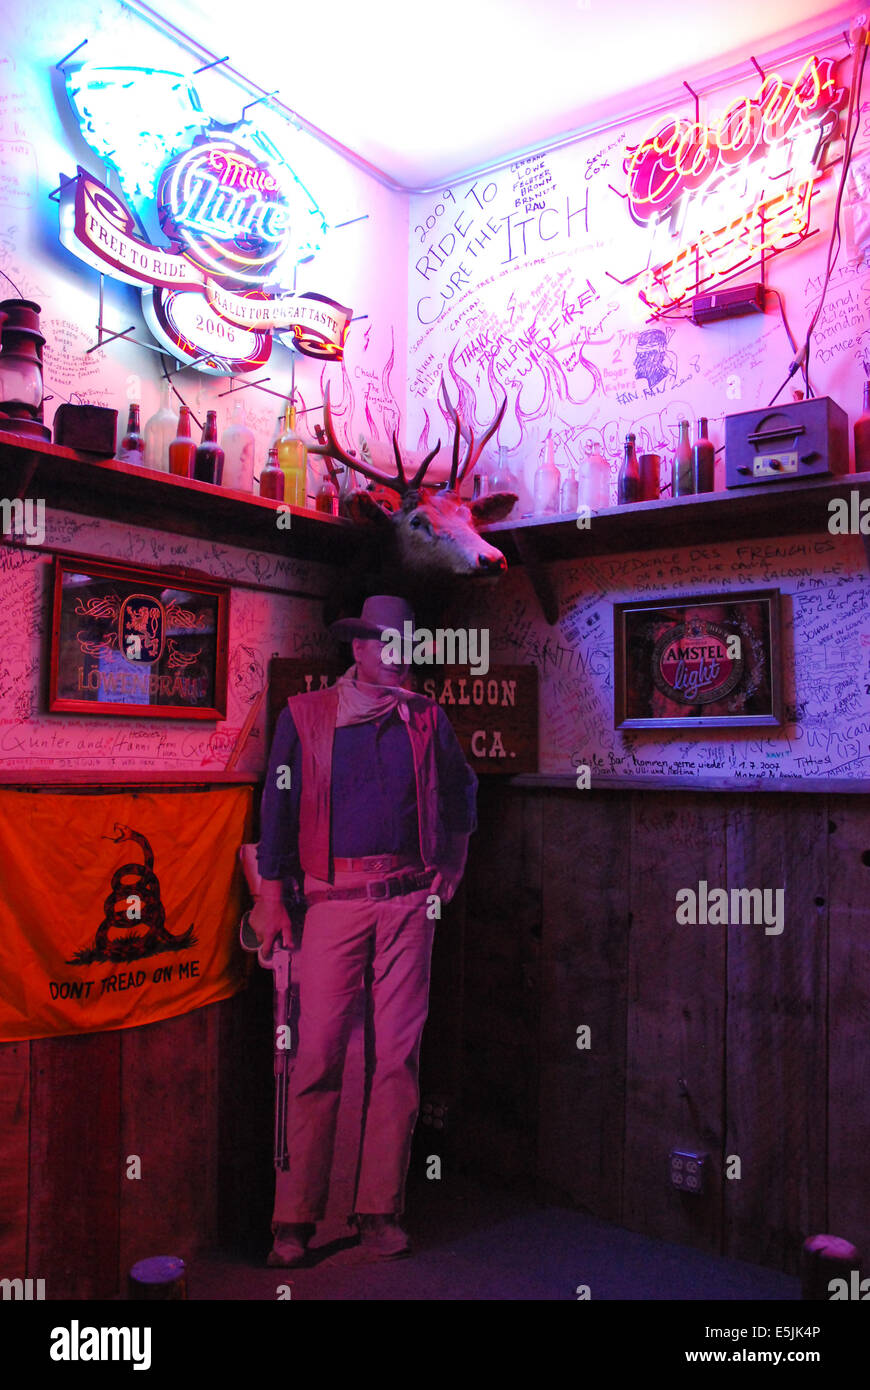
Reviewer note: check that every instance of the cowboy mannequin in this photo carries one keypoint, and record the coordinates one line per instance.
(382, 803)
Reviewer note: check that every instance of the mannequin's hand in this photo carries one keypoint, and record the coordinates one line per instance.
(447, 881)
(449, 876)
(269, 919)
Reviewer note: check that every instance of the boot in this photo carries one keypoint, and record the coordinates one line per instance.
(290, 1245)
(381, 1236)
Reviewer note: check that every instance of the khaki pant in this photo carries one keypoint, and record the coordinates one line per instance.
(388, 946)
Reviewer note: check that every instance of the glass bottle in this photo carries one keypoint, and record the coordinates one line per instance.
(182, 450)
(208, 462)
(703, 460)
(326, 497)
(569, 492)
(272, 477)
(547, 482)
(160, 431)
(628, 484)
(598, 472)
(482, 477)
(238, 444)
(862, 434)
(683, 472)
(132, 447)
(501, 479)
(293, 459)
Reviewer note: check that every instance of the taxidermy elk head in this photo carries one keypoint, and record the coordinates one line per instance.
(433, 528)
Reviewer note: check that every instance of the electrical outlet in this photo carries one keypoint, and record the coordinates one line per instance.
(435, 1111)
(688, 1170)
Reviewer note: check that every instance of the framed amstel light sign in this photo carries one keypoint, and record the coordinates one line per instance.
(234, 219)
(706, 661)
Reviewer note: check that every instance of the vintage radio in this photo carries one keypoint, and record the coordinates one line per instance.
(807, 439)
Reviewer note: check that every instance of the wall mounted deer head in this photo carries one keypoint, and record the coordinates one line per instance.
(434, 530)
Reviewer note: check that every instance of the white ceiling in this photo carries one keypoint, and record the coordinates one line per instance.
(426, 89)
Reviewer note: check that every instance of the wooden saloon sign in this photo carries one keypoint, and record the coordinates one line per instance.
(494, 717)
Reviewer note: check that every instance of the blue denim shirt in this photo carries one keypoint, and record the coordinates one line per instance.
(374, 796)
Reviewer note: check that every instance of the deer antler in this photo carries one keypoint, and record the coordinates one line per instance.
(472, 453)
(330, 447)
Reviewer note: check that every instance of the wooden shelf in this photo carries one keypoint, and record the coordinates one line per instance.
(137, 496)
(96, 779)
(764, 510)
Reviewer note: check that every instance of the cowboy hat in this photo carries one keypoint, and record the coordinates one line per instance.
(379, 612)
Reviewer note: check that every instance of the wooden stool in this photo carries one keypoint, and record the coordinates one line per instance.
(825, 1258)
(161, 1276)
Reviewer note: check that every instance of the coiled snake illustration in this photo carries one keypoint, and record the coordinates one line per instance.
(137, 882)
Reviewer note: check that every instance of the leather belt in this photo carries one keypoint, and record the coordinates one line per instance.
(375, 864)
(377, 888)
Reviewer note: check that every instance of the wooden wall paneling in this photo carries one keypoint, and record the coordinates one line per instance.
(498, 1125)
(75, 1164)
(675, 1016)
(776, 1032)
(246, 1177)
(584, 968)
(441, 1055)
(849, 1022)
(166, 1119)
(14, 1144)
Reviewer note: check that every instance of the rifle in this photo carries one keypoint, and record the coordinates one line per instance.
(279, 962)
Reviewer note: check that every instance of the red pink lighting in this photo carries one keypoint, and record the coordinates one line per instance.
(732, 191)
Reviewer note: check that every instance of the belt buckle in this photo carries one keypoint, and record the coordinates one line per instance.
(378, 883)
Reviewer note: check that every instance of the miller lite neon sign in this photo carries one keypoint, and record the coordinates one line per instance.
(235, 219)
(720, 196)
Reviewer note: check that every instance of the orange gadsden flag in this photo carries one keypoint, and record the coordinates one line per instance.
(117, 908)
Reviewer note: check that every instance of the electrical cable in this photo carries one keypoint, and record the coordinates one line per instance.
(850, 135)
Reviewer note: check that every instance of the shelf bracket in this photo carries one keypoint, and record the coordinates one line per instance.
(23, 474)
(539, 576)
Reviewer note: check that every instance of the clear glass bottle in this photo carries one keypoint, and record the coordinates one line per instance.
(548, 480)
(501, 479)
(703, 460)
(629, 487)
(683, 472)
(293, 459)
(597, 470)
(208, 463)
(862, 434)
(272, 477)
(132, 446)
(160, 431)
(482, 478)
(182, 450)
(569, 492)
(238, 444)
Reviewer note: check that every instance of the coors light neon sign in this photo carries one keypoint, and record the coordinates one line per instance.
(720, 196)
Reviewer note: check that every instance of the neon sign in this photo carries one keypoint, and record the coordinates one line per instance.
(719, 197)
(227, 209)
(235, 217)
